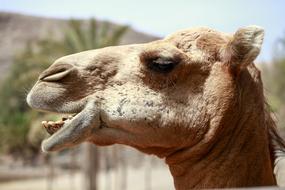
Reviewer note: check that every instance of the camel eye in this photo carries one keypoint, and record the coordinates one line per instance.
(162, 65)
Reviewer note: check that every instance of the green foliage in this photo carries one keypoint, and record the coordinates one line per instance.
(274, 78)
(93, 37)
(14, 113)
(15, 116)
(277, 85)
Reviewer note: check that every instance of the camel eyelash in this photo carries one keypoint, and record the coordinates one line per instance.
(159, 64)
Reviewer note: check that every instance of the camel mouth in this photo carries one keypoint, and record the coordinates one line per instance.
(53, 126)
(71, 130)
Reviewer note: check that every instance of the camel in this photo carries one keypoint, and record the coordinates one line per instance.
(194, 98)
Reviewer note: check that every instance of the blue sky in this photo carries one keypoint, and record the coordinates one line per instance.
(161, 17)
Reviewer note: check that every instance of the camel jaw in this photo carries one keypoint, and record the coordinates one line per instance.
(75, 130)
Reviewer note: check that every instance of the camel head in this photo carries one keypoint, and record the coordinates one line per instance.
(158, 97)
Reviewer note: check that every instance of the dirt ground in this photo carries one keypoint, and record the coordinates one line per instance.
(157, 178)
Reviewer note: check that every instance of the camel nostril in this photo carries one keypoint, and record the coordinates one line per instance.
(55, 73)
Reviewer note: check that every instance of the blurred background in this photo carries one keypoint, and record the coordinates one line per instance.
(35, 33)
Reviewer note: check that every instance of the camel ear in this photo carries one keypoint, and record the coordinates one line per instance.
(244, 47)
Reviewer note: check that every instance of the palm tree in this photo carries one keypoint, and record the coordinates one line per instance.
(81, 36)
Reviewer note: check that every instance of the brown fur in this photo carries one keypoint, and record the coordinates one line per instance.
(206, 117)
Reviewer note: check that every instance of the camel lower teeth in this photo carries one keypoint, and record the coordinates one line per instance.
(51, 127)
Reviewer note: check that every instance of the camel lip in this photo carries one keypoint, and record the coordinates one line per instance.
(74, 130)
(55, 133)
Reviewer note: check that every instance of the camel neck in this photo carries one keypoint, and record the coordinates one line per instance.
(239, 158)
